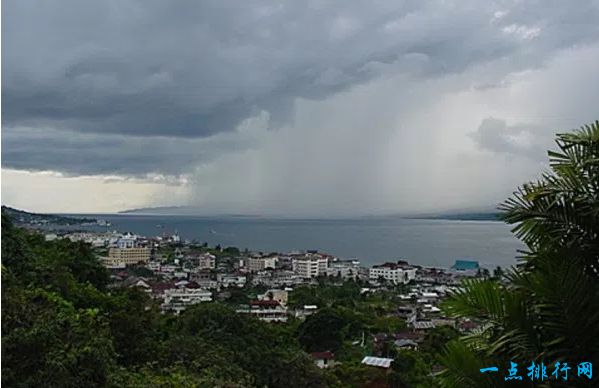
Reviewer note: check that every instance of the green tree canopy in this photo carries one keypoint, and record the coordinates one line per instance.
(549, 308)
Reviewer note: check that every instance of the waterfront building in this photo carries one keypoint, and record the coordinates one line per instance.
(395, 273)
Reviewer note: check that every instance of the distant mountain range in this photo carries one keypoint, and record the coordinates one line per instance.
(174, 211)
(470, 216)
(22, 217)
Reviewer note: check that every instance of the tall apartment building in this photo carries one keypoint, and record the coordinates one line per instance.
(129, 256)
(310, 265)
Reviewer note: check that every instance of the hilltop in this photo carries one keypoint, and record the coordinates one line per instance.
(21, 217)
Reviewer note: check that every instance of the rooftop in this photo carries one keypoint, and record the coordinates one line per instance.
(399, 265)
(265, 303)
(377, 361)
(424, 325)
(323, 355)
(463, 265)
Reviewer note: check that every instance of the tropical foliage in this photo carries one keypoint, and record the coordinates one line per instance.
(546, 309)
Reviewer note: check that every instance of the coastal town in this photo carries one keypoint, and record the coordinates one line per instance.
(178, 274)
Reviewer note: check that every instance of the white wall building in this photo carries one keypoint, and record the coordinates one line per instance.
(178, 299)
(280, 296)
(231, 280)
(126, 242)
(310, 265)
(394, 273)
(207, 261)
(256, 264)
(266, 310)
(346, 269)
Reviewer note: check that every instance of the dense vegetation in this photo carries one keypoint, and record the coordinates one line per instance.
(547, 308)
(63, 326)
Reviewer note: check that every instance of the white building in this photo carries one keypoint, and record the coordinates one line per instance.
(280, 296)
(178, 299)
(207, 261)
(153, 266)
(125, 242)
(306, 311)
(346, 269)
(266, 310)
(230, 280)
(50, 236)
(256, 264)
(277, 279)
(310, 265)
(392, 272)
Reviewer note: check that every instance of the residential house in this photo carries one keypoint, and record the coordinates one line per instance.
(265, 310)
(178, 299)
(323, 359)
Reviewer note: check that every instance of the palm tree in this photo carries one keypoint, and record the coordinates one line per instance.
(547, 309)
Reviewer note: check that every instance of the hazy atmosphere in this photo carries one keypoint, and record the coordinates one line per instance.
(285, 108)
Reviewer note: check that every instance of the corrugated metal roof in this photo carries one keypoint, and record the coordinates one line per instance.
(377, 361)
(424, 325)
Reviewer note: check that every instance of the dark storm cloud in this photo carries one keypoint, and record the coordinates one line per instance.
(196, 69)
(75, 154)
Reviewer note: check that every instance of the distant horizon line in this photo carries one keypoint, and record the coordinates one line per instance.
(474, 213)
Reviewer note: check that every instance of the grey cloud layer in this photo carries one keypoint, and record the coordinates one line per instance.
(526, 140)
(112, 81)
(99, 154)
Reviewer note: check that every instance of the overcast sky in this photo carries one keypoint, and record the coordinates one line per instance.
(288, 108)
